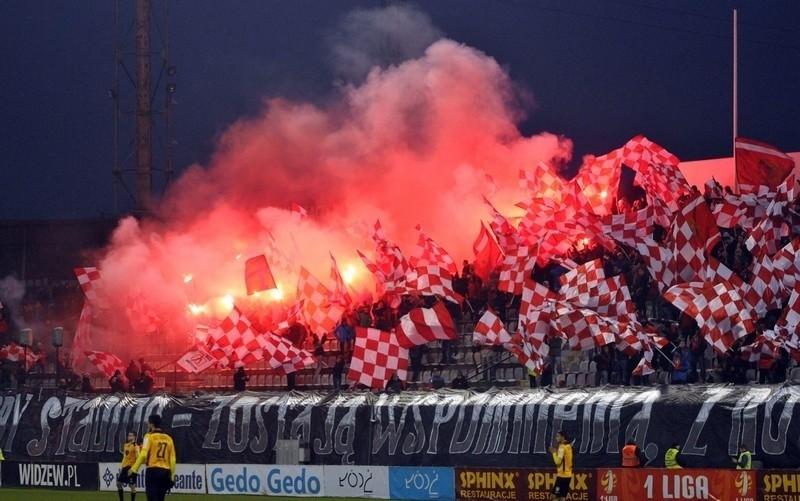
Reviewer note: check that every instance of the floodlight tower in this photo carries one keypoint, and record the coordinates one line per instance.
(143, 142)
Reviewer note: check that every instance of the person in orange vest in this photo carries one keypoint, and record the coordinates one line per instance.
(631, 455)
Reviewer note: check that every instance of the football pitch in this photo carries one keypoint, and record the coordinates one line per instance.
(47, 494)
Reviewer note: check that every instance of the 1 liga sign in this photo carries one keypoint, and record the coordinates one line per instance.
(657, 484)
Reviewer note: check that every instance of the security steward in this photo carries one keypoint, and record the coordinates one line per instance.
(158, 454)
(671, 459)
(745, 459)
(631, 455)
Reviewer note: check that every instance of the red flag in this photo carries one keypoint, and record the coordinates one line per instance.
(257, 275)
(760, 166)
(487, 254)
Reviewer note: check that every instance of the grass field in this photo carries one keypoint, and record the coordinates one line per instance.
(47, 494)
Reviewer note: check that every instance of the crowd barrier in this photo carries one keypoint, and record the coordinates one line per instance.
(424, 483)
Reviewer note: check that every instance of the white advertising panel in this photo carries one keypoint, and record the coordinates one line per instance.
(189, 478)
(265, 479)
(357, 481)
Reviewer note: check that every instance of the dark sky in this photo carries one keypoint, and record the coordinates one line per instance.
(599, 72)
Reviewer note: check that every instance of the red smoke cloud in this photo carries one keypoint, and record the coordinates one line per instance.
(417, 143)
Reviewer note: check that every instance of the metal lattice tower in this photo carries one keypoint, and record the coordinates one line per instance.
(143, 142)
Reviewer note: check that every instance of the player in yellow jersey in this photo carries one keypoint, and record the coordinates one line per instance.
(562, 457)
(130, 451)
(158, 454)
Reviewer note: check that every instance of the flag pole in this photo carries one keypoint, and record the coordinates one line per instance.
(735, 99)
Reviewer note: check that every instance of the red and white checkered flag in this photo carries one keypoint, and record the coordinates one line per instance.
(140, 313)
(293, 315)
(277, 258)
(542, 181)
(489, 329)
(656, 170)
(717, 308)
(16, 353)
(516, 267)
(92, 285)
(376, 357)
(429, 252)
(340, 295)
(105, 362)
(628, 226)
(423, 325)
(233, 340)
(694, 234)
(83, 338)
(507, 236)
(432, 280)
(659, 262)
(283, 356)
(582, 284)
(765, 345)
(321, 316)
(391, 269)
(726, 213)
(583, 328)
(597, 182)
(763, 291)
(786, 265)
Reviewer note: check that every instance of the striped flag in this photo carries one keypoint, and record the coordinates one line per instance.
(423, 325)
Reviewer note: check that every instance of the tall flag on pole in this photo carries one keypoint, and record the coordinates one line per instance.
(257, 275)
(760, 167)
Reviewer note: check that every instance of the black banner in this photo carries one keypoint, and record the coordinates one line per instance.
(498, 428)
(59, 476)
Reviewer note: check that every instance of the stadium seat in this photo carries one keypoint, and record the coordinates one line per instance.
(560, 381)
(592, 366)
(519, 373)
(794, 375)
(751, 375)
(260, 381)
(511, 326)
(570, 381)
(512, 313)
(583, 366)
(580, 380)
(469, 328)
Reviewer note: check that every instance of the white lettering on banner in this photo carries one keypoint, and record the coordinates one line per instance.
(48, 475)
(357, 481)
(189, 478)
(423, 481)
(678, 486)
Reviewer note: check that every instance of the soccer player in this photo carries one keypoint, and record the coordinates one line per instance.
(562, 456)
(158, 454)
(130, 451)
